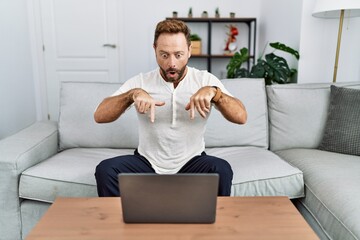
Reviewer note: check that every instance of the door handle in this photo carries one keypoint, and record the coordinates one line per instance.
(109, 45)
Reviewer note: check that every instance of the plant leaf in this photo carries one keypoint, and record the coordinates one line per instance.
(195, 37)
(273, 69)
(242, 73)
(234, 65)
(283, 47)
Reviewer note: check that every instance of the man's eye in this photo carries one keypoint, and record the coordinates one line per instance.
(178, 55)
(164, 55)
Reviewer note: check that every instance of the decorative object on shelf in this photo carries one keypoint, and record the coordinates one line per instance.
(204, 14)
(217, 12)
(195, 44)
(232, 15)
(336, 9)
(190, 14)
(272, 68)
(175, 14)
(231, 44)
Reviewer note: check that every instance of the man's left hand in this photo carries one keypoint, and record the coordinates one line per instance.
(201, 100)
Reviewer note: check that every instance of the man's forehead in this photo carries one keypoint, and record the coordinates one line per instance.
(171, 38)
(171, 47)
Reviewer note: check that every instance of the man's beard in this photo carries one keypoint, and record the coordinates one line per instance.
(172, 74)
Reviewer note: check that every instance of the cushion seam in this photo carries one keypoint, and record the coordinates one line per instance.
(261, 179)
(57, 180)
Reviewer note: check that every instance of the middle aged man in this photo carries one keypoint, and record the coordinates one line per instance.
(173, 103)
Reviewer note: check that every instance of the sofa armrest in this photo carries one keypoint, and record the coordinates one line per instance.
(17, 153)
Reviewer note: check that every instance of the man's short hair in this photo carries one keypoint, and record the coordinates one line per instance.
(172, 26)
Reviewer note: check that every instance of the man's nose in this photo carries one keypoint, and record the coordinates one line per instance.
(172, 62)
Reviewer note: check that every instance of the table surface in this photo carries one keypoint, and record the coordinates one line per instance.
(237, 218)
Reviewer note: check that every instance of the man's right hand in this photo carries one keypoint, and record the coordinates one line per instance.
(144, 102)
(111, 108)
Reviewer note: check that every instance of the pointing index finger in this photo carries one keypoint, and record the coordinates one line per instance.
(192, 110)
(152, 112)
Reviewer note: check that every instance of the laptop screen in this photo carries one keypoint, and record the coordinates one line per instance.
(176, 198)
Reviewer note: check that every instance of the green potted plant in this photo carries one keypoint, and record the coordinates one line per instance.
(273, 68)
(195, 37)
(195, 44)
(190, 13)
(217, 12)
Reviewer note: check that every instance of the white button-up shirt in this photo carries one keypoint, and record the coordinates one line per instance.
(173, 139)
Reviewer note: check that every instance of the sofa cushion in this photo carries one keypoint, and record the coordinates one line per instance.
(298, 113)
(342, 129)
(257, 172)
(69, 173)
(220, 132)
(77, 128)
(332, 189)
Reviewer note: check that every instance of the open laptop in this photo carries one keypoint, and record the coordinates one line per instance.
(177, 198)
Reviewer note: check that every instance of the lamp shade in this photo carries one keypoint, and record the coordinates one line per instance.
(332, 8)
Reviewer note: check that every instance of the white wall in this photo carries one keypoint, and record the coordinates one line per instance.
(17, 95)
(318, 46)
(280, 22)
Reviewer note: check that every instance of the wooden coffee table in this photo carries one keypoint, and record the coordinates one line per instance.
(237, 218)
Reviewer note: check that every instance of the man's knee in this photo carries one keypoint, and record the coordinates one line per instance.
(101, 166)
(226, 175)
(106, 179)
(222, 165)
(104, 169)
(227, 167)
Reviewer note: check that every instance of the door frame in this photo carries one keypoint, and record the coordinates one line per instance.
(38, 59)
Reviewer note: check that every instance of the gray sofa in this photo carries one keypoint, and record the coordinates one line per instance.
(274, 154)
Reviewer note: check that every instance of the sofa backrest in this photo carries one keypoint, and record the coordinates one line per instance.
(252, 93)
(77, 128)
(298, 113)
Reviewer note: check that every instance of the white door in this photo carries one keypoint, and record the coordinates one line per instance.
(80, 44)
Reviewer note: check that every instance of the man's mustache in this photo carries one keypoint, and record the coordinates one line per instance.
(172, 70)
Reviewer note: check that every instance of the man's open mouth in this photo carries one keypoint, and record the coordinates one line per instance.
(172, 73)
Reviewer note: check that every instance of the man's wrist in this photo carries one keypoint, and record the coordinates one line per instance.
(133, 93)
(217, 96)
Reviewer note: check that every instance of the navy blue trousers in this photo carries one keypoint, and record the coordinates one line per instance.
(107, 171)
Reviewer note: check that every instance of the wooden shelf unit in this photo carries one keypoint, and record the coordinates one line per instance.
(251, 41)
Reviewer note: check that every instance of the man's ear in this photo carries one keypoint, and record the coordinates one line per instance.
(190, 47)
(154, 47)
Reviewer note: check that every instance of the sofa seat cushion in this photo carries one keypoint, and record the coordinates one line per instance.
(332, 189)
(259, 172)
(69, 173)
